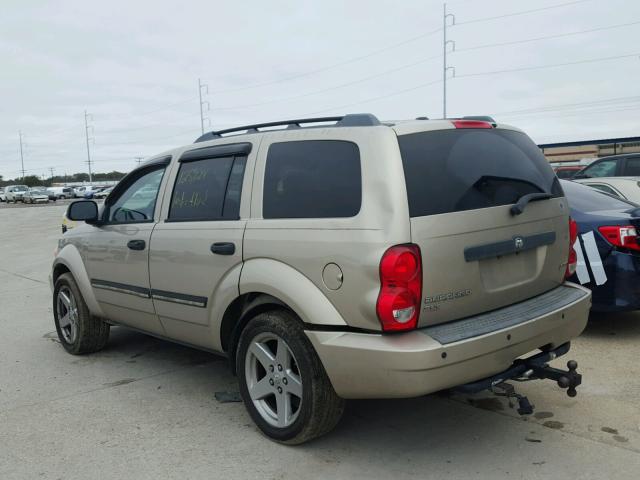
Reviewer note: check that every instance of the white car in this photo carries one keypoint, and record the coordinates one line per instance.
(61, 192)
(14, 193)
(3, 196)
(623, 187)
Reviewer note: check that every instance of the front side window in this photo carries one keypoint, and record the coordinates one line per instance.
(312, 179)
(137, 203)
(606, 168)
(208, 189)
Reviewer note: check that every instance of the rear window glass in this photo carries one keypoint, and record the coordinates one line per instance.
(588, 199)
(467, 169)
(312, 179)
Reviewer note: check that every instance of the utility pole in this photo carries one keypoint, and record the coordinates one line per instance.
(21, 155)
(203, 103)
(139, 160)
(51, 169)
(445, 67)
(86, 131)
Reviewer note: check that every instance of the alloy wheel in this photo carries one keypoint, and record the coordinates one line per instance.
(67, 309)
(273, 380)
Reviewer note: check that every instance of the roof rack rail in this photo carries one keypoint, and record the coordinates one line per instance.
(350, 120)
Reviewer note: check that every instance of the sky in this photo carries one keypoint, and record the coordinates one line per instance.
(561, 70)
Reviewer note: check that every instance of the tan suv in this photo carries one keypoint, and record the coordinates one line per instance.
(335, 258)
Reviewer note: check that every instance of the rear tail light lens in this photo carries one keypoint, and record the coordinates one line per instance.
(398, 305)
(573, 256)
(622, 237)
(471, 124)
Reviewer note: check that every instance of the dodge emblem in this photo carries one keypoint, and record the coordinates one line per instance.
(519, 243)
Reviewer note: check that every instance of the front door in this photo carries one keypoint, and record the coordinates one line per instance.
(196, 253)
(117, 252)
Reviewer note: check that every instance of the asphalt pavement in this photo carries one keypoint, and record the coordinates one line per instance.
(146, 409)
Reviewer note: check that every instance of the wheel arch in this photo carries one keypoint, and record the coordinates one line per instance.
(239, 313)
(69, 260)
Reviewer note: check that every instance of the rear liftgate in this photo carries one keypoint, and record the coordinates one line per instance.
(523, 370)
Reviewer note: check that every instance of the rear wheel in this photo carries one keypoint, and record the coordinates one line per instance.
(282, 381)
(79, 331)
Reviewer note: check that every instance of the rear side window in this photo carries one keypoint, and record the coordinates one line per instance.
(208, 189)
(312, 179)
(467, 169)
(633, 167)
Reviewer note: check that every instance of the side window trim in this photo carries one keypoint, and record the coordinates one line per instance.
(122, 187)
(239, 156)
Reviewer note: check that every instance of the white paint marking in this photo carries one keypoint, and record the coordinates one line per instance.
(581, 267)
(594, 258)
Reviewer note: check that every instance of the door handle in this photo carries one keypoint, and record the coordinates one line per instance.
(223, 248)
(136, 244)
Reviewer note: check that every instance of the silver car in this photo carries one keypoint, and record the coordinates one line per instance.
(333, 259)
(35, 195)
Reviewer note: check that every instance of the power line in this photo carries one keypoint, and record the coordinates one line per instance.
(548, 108)
(371, 99)
(524, 12)
(328, 67)
(539, 67)
(560, 35)
(334, 87)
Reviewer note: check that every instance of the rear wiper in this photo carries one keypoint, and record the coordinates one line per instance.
(518, 208)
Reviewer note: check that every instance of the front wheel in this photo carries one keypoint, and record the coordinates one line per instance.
(282, 381)
(79, 331)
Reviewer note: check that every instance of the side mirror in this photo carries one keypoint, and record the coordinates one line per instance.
(83, 211)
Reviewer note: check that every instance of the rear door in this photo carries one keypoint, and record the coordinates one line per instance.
(197, 249)
(477, 256)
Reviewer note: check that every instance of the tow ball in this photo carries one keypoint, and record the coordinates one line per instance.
(569, 379)
(523, 370)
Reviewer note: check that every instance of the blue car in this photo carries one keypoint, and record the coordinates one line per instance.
(608, 249)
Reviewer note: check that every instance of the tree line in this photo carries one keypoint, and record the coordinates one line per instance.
(34, 180)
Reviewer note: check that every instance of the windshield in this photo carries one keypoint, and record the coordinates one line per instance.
(588, 199)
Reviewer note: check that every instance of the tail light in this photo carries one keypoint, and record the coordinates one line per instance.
(623, 237)
(471, 124)
(399, 300)
(573, 256)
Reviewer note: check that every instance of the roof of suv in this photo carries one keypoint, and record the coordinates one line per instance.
(401, 127)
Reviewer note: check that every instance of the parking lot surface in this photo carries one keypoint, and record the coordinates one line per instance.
(146, 408)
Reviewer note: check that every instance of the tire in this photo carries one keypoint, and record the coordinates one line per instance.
(79, 331)
(294, 377)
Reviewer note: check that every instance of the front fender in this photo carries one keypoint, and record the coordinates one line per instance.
(291, 287)
(70, 258)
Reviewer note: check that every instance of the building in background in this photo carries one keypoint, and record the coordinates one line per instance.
(584, 152)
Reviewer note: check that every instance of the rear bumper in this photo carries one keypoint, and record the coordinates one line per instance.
(411, 364)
